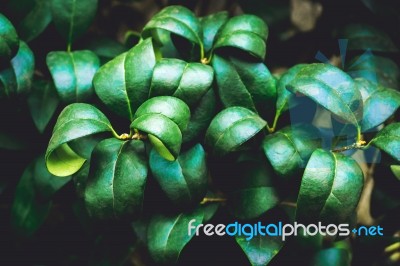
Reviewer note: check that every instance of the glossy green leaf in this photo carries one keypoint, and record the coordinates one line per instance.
(73, 73)
(331, 88)
(36, 21)
(379, 103)
(331, 257)
(289, 149)
(330, 188)
(284, 96)
(42, 103)
(174, 19)
(396, 170)
(211, 24)
(388, 140)
(231, 128)
(123, 83)
(168, 235)
(186, 81)
(9, 41)
(171, 107)
(245, 32)
(245, 84)
(377, 69)
(117, 178)
(254, 194)
(184, 180)
(75, 121)
(164, 134)
(72, 17)
(260, 250)
(366, 37)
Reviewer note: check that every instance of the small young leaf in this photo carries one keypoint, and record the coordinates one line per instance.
(36, 21)
(185, 180)
(388, 140)
(9, 41)
(330, 188)
(117, 178)
(245, 32)
(231, 128)
(123, 83)
(171, 107)
(72, 17)
(211, 24)
(73, 73)
(289, 149)
(168, 235)
(42, 103)
(331, 88)
(249, 85)
(75, 121)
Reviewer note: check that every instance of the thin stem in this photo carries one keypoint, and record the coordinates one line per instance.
(212, 200)
(274, 123)
(69, 47)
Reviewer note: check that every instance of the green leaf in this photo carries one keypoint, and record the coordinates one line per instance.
(42, 103)
(377, 69)
(174, 19)
(245, 84)
(75, 121)
(73, 73)
(10, 142)
(184, 180)
(117, 178)
(331, 88)
(211, 24)
(254, 194)
(284, 96)
(123, 83)
(36, 21)
(379, 103)
(260, 250)
(331, 257)
(164, 134)
(231, 128)
(289, 149)
(330, 188)
(72, 17)
(396, 171)
(106, 49)
(9, 41)
(388, 140)
(366, 37)
(168, 235)
(171, 107)
(245, 32)
(186, 81)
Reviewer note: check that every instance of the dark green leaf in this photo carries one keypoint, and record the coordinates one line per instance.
(10, 142)
(331, 257)
(75, 121)
(106, 49)
(231, 128)
(171, 107)
(186, 81)
(255, 193)
(245, 84)
(260, 250)
(211, 24)
(36, 21)
(123, 84)
(366, 37)
(185, 180)
(42, 103)
(9, 41)
(73, 73)
(72, 17)
(388, 140)
(330, 188)
(289, 149)
(168, 235)
(174, 19)
(331, 88)
(117, 178)
(245, 32)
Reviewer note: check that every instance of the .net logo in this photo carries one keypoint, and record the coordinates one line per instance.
(280, 229)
